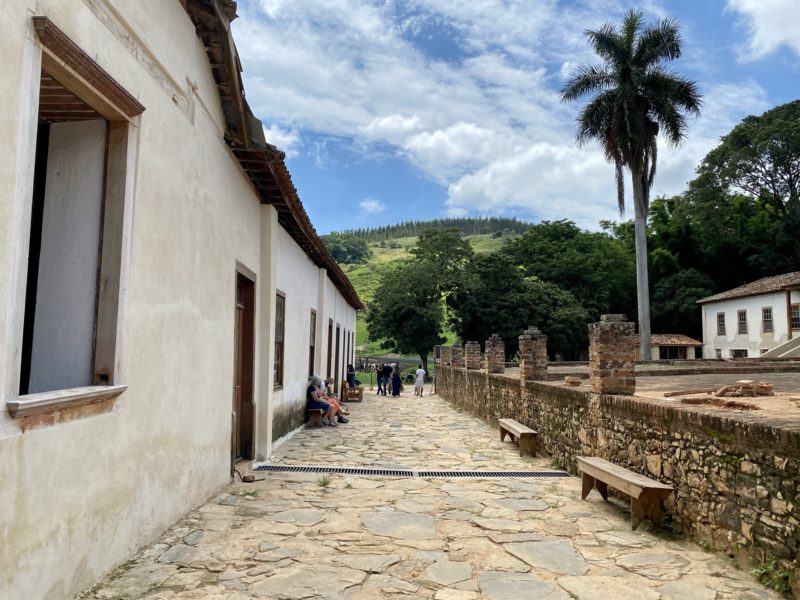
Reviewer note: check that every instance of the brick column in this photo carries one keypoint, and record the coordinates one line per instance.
(445, 356)
(472, 356)
(612, 355)
(533, 355)
(495, 354)
(458, 356)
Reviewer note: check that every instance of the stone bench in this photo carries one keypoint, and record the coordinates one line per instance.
(526, 436)
(646, 494)
(314, 417)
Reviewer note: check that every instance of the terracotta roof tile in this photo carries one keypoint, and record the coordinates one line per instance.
(673, 339)
(767, 285)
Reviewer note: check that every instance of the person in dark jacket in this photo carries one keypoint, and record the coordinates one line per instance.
(397, 384)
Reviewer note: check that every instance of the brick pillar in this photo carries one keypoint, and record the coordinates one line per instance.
(612, 356)
(472, 356)
(458, 356)
(445, 356)
(495, 354)
(533, 355)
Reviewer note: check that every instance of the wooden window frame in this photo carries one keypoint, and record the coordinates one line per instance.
(280, 336)
(794, 317)
(764, 320)
(721, 330)
(741, 324)
(51, 51)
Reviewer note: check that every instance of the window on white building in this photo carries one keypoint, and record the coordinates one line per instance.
(741, 318)
(766, 319)
(721, 323)
(795, 317)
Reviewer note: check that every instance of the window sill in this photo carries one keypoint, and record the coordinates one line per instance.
(44, 402)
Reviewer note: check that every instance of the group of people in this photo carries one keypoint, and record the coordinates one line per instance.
(389, 374)
(319, 395)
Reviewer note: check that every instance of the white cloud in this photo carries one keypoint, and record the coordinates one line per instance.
(372, 206)
(770, 23)
(489, 127)
(287, 140)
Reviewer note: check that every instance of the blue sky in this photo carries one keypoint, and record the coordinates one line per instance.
(391, 110)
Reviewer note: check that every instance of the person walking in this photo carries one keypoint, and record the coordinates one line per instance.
(381, 381)
(387, 378)
(397, 384)
(419, 382)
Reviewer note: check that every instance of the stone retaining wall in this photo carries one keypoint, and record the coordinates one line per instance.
(737, 476)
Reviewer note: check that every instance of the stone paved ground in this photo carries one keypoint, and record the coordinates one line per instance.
(294, 536)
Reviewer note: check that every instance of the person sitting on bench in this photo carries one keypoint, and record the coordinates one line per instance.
(326, 394)
(313, 402)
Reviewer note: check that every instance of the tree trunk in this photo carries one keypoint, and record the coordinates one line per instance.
(424, 359)
(642, 280)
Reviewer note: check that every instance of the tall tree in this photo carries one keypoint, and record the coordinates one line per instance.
(634, 98)
(406, 312)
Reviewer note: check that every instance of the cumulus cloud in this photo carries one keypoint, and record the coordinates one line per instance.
(287, 140)
(372, 206)
(485, 122)
(770, 24)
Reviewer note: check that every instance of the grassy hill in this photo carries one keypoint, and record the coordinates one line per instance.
(366, 276)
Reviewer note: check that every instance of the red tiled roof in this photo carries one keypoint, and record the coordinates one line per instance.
(673, 339)
(767, 285)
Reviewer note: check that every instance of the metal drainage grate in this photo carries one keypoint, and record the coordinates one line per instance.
(403, 473)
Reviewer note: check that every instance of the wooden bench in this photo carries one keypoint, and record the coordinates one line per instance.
(314, 417)
(527, 437)
(355, 394)
(646, 494)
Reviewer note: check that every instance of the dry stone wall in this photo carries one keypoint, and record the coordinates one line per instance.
(736, 476)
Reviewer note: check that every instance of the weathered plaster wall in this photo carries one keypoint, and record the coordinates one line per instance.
(736, 476)
(80, 497)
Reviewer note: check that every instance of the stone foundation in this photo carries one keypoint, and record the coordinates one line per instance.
(495, 354)
(736, 476)
(446, 356)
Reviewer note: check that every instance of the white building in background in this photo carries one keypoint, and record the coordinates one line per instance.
(163, 295)
(761, 318)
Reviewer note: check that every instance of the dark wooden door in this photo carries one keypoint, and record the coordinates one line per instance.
(243, 409)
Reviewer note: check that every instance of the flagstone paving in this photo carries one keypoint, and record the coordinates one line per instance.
(296, 535)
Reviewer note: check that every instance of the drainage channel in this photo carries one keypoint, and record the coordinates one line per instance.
(407, 473)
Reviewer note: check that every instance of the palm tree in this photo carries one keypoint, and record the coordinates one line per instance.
(634, 99)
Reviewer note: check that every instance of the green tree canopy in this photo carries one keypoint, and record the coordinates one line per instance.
(346, 248)
(406, 311)
(595, 268)
(495, 296)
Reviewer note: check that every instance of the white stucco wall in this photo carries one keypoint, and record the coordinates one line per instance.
(755, 339)
(81, 496)
(306, 287)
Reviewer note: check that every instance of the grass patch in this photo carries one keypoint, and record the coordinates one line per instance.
(772, 575)
(324, 481)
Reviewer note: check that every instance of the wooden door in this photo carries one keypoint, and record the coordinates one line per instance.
(243, 410)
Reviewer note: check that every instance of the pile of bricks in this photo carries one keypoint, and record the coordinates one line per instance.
(612, 356)
(746, 387)
(532, 355)
(472, 356)
(495, 354)
(458, 356)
